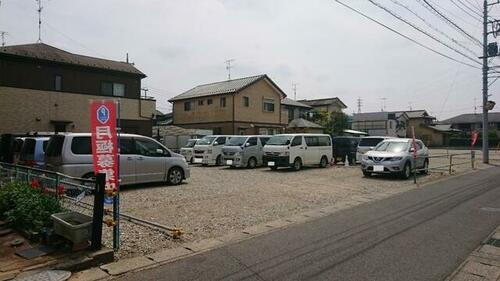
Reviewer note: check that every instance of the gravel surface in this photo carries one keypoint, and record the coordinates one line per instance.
(219, 200)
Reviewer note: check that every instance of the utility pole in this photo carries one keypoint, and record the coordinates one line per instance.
(485, 83)
(228, 67)
(410, 105)
(294, 87)
(360, 103)
(3, 33)
(39, 21)
(145, 91)
(475, 106)
(383, 104)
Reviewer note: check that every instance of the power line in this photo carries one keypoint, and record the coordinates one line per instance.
(402, 35)
(433, 27)
(473, 15)
(428, 6)
(421, 30)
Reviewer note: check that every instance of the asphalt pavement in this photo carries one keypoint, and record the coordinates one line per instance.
(423, 234)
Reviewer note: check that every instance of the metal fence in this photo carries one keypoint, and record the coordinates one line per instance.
(447, 162)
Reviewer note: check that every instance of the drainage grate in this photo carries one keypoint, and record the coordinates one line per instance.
(493, 242)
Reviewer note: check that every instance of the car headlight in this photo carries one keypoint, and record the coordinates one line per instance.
(364, 157)
(396, 159)
(209, 151)
(286, 153)
(239, 153)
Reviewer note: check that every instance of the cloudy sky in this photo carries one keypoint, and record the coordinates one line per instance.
(326, 49)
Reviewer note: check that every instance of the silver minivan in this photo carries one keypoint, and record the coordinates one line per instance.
(142, 159)
(244, 151)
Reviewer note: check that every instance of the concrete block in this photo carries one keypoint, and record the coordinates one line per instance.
(92, 274)
(278, 223)
(490, 250)
(233, 237)
(257, 229)
(169, 254)
(490, 272)
(203, 245)
(126, 265)
(463, 276)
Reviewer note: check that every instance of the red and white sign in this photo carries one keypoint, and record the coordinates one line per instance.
(104, 141)
(414, 142)
(473, 137)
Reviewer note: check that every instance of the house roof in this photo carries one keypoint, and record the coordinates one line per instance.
(224, 87)
(46, 52)
(422, 113)
(290, 102)
(302, 123)
(444, 128)
(493, 117)
(325, 101)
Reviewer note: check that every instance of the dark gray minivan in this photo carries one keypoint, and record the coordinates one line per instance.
(142, 159)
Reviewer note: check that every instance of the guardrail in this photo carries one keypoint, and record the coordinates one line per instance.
(450, 163)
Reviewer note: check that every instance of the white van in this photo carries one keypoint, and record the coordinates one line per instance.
(142, 159)
(297, 150)
(244, 151)
(208, 150)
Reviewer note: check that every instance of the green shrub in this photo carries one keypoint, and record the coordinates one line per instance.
(27, 207)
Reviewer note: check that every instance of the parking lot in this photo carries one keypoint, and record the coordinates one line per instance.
(219, 200)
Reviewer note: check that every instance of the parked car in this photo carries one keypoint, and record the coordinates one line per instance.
(297, 150)
(345, 147)
(395, 156)
(208, 150)
(244, 151)
(187, 150)
(368, 143)
(32, 152)
(142, 159)
(18, 144)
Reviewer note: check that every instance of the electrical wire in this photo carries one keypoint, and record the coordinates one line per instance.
(404, 36)
(472, 15)
(422, 31)
(431, 8)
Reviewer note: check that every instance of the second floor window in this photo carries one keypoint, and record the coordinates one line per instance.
(187, 106)
(223, 102)
(268, 105)
(209, 101)
(113, 89)
(58, 83)
(246, 101)
(200, 102)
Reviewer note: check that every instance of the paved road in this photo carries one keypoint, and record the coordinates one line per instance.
(423, 234)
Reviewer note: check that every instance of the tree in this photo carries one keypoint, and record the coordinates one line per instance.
(334, 124)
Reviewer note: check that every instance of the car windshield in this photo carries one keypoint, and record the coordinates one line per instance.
(236, 141)
(279, 140)
(370, 141)
(190, 143)
(391, 146)
(206, 140)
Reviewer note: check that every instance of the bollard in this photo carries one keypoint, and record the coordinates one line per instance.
(451, 163)
(472, 158)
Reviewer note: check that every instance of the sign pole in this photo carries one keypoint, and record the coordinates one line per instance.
(116, 201)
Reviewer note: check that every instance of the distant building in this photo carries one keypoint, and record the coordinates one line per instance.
(381, 123)
(300, 125)
(295, 109)
(43, 88)
(469, 122)
(250, 105)
(329, 105)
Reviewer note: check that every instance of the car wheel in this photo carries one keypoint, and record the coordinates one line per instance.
(323, 162)
(175, 176)
(425, 168)
(406, 171)
(297, 164)
(252, 163)
(367, 174)
(218, 160)
(192, 160)
(274, 168)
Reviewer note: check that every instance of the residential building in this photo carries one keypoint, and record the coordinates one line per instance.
(469, 122)
(295, 109)
(250, 105)
(329, 105)
(301, 125)
(43, 88)
(381, 123)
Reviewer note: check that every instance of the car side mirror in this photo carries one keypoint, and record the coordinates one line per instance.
(216, 143)
(247, 144)
(372, 147)
(412, 149)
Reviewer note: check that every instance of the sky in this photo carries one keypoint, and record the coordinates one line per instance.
(319, 45)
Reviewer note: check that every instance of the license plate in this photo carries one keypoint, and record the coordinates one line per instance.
(378, 168)
(229, 162)
(270, 163)
(197, 160)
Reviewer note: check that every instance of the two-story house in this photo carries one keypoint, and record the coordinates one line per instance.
(470, 121)
(381, 123)
(295, 109)
(250, 105)
(330, 105)
(46, 89)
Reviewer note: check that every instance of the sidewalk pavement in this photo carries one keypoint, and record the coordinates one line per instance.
(483, 264)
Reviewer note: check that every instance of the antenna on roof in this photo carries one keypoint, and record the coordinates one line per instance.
(39, 21)
(410, 105)
(294, 87)
(360, 103)
(228, 67)
(383, 104)
(127, 57)
(2, 34)
(475, 106)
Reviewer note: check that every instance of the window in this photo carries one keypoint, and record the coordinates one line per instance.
(149, 148)
(246, 101)
(44, 145)
(209, 101)
(268, 105)
(312, 141)
(200, 102)
(187, 106)
(81, 145)
(127, 146)
(264, 140)
(113, 89)
(297, 141)
(54, 148)
(498, 126)
(223, 102)
(221, 140)
(252, 141)
(324, 141)
(58, 83)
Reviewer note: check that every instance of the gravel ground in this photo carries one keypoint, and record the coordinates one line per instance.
(219, 200)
